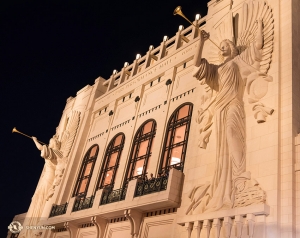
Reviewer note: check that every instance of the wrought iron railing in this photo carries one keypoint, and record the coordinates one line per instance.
(152, 185)
(110, 196)
(83, 203)
(166, 170)
(57, 210)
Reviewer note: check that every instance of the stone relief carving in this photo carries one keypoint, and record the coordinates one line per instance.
(56, 158)
(225, 77)
(67, 141)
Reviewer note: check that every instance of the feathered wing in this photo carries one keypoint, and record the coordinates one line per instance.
(70, 133)
(247, 29)
(242, 29)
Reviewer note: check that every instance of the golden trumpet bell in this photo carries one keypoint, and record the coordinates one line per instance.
(14, 130)
(177, 11)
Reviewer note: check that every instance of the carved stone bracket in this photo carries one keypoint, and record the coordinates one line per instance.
(135, 219)
(71, 228)
(100, 224)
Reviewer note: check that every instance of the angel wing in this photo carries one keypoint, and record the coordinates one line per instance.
(247, 30)
(242, 29)
(70, 133)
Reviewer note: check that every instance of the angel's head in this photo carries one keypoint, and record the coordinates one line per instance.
(54, 143)
(228, 49)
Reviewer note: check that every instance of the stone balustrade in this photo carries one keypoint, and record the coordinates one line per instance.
(235, 223)
(154, 55)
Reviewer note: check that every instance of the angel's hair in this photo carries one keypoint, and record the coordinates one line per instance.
(234, 51)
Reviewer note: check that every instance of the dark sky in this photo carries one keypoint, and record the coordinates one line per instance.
(49, 51)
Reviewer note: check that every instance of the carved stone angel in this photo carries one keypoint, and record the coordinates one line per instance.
(250, 60)
(64, 150)
(56, 156)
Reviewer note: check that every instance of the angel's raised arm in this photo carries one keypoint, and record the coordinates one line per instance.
(37, 144)
(197, 58)
(259, 36)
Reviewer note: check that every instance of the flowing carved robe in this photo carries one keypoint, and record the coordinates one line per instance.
(228, 80)
(39, 198)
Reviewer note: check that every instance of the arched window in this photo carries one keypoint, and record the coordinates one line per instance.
(86, 171)
(176, 138)
(111, 161)
(141, 150)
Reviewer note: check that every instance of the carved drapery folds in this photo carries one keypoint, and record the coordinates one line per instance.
(67, 141)
(230, 78)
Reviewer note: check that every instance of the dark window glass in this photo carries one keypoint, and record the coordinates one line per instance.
(111, 161)
(141, 151)
(86, 171)
(176, 138)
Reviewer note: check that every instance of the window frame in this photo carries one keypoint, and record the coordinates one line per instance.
(133, 158)
(172, 124)
(86, 160)
(109, 151)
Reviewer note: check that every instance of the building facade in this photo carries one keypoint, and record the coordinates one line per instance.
(197, 138)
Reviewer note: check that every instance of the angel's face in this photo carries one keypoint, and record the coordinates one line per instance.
(225, 49)
(51, 143)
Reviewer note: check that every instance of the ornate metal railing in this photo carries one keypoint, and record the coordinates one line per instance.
(57, 210)
(83, 203)
(151, 186)
(110, 196)
(178, 166)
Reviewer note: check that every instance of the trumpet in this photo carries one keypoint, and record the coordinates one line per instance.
(178, 11)
(15, 130)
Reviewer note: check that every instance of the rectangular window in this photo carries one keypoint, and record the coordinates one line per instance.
(179, 134)
(139, 167)
(113, 159)
(88, 169)
(83, 185)
(108, 177)
(143, 148)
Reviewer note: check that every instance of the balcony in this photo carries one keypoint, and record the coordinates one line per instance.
(110, 196)
(83, 203)
(58, 210)
(165, 193)
(156, 193)
(152, 185)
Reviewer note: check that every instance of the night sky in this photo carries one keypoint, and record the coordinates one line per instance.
(49, 51)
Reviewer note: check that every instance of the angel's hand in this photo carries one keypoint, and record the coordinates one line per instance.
(204, 35)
